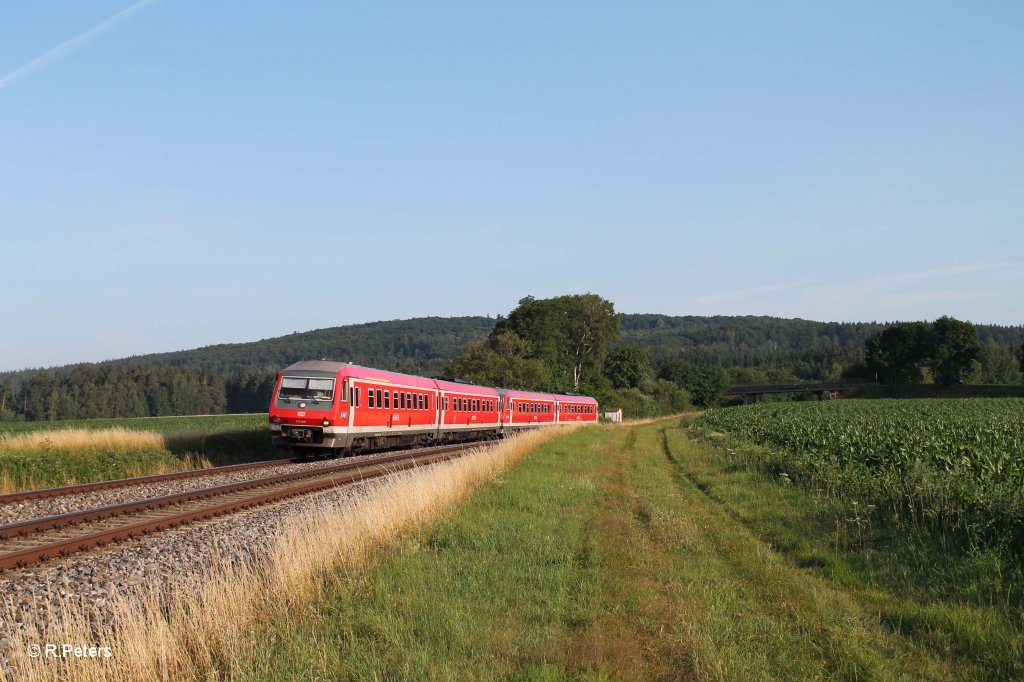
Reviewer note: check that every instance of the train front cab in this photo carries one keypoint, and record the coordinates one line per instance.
(309, 410)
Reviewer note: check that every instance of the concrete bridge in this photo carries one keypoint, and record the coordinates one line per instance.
(825, 391)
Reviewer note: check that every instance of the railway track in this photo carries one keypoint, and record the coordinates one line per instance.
(44, 493)
(31, 541)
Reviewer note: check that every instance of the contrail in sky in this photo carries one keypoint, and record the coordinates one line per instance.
(68, 46)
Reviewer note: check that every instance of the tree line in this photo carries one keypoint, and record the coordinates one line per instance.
(647, 364)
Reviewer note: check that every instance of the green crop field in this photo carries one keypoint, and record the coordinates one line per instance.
(957, 464)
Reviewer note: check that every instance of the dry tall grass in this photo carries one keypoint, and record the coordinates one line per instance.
(210, 626)
(115, 438)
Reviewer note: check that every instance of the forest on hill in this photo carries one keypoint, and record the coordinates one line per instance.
(239, 377)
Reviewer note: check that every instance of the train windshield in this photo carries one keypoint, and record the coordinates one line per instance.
(301, 388)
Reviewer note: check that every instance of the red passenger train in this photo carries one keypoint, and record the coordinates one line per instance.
(341, 408)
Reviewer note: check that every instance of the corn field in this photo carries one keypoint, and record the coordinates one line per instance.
(956, 462)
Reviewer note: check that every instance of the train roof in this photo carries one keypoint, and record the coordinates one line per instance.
(528, 395)
(348, 369)
(460, 387)
(315, 366)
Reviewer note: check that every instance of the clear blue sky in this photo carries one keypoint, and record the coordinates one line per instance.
(178, 173)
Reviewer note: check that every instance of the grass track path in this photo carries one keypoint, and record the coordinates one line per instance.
(602, 556)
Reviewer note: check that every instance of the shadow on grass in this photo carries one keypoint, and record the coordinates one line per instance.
(221, 448)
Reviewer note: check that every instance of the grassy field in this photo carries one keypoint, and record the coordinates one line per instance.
(217, 622)
(641, 553)
(612, 552)
(202, 423)
(47, 454)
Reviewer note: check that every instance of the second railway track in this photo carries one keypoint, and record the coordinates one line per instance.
(31, 541)
(45, 493)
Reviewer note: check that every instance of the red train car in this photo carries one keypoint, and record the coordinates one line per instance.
(571, 408)
(468, 411)
(525, 409)
(322, 406)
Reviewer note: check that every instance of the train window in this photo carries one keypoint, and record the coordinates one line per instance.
(387, 400)
(421, 401)
(370, 402)
(476, 405)
(408, 401)
(380, 398)
(446, 403)
(357, 396)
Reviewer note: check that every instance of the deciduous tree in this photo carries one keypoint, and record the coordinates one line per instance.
(628, 367)
(956, 349)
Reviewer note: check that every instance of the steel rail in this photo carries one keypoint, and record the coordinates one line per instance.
(289, 485)
(44, 493)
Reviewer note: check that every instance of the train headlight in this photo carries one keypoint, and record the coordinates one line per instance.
(275, 420)
(327, 422)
